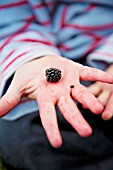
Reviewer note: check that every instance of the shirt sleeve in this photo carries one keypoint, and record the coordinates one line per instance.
(22, 38)
(102, 57)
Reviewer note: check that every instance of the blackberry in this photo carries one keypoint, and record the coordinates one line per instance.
(53, 74)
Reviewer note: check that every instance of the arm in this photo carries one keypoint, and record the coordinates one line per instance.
(29, 80)
(21, 38)
(103, 56)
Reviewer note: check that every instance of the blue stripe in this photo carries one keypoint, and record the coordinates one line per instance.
(10, 15)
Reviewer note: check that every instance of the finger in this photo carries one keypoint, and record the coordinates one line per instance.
(93, 74)
(108, 111)
(49, 122)
(86, 98)
(94, 89)
(103, 97)
(73, 116)
(9, 100)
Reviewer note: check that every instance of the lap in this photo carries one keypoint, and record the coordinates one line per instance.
(23, 144)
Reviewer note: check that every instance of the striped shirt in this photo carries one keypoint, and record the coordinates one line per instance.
(81, 30)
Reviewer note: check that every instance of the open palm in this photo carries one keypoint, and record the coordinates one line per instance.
(30, 81)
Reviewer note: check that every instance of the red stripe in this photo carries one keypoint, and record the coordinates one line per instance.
(7, 56)
(95, 36)
(5, 73)
(88, 28)
(25, 26)
(15, 67)
(65, 11)
(63, 16)
(41, 5)
(14, 60)
(7, 41)
(64, 47)
(34, 40)
(45, 23)
(31, 18)
(92, 47)
(28, 20)
(14, 4)
(90, 7)
(103, 53)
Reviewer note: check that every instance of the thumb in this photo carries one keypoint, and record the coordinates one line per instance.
(9, 100)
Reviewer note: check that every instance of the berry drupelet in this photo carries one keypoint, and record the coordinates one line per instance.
(53, 74)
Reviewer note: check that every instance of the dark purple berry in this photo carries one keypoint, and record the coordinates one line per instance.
(72, 86)
(53, 74)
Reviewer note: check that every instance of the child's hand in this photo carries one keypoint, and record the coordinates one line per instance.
(30, 81)
(104, 93)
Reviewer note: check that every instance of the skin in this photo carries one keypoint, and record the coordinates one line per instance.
(104, 93)
(30, 81)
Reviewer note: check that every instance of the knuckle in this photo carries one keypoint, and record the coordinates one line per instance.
(10, 102)
(81, 92)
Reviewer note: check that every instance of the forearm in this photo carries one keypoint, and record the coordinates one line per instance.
(21, 48)
(103, 56)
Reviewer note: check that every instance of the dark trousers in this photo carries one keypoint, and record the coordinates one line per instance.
(24, 145)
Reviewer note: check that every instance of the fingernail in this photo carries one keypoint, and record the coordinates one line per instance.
(56, 143)
(85, 130)
(107, 116)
